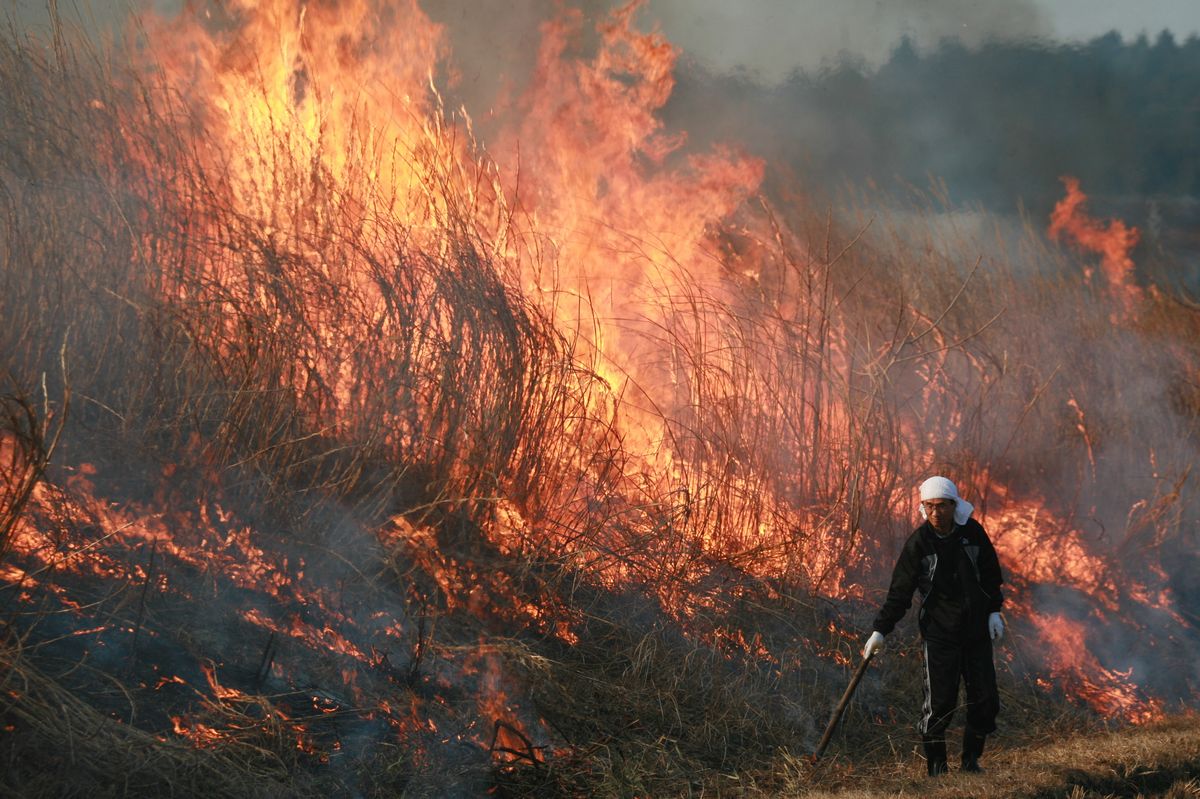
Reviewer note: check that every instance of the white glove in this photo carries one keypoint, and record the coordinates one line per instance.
(874, 644)
(995, 626)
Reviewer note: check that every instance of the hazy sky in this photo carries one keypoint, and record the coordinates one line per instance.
(772, 37)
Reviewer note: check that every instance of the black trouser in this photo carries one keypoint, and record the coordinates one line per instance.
(946, 664)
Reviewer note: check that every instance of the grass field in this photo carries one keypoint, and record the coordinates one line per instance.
(343, 454)
(1157, 760)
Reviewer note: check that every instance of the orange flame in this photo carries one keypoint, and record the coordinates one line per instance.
(1040, 548)
(1112, 241)
(1108, 691)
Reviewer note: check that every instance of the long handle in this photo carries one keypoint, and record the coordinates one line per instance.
(841, 707)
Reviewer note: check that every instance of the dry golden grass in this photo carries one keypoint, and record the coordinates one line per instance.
(1162, 759)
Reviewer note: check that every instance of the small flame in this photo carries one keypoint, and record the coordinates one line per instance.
(1112, 241)
(1109, 691)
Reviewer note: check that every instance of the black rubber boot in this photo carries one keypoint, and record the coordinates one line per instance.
(972, 748)
(935, 756)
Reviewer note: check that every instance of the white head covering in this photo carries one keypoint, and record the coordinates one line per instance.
(941, 488)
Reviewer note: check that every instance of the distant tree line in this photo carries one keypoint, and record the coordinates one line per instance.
(999, 124)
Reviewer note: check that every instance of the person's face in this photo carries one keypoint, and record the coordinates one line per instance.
(940, 513)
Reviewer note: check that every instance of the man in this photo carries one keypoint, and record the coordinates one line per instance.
(951, 561)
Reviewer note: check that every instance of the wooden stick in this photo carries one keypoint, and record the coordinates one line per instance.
(841, 707)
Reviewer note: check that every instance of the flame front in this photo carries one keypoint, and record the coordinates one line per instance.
(408, 401)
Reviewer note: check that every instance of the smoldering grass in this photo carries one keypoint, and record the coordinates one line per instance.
(60, 745)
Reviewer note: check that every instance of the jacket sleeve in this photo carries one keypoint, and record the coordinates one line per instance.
(990, 576)
(900, 592)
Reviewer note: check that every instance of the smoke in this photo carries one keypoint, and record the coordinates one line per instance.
(994, 127)
(734, 69)
(770, 39)
(766, 39)
(979, 103)
(979, 97)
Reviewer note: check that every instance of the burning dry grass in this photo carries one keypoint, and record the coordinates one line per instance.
(26, 444)
(343, 505)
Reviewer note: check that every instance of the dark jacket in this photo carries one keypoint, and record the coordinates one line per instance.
(958, 577)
